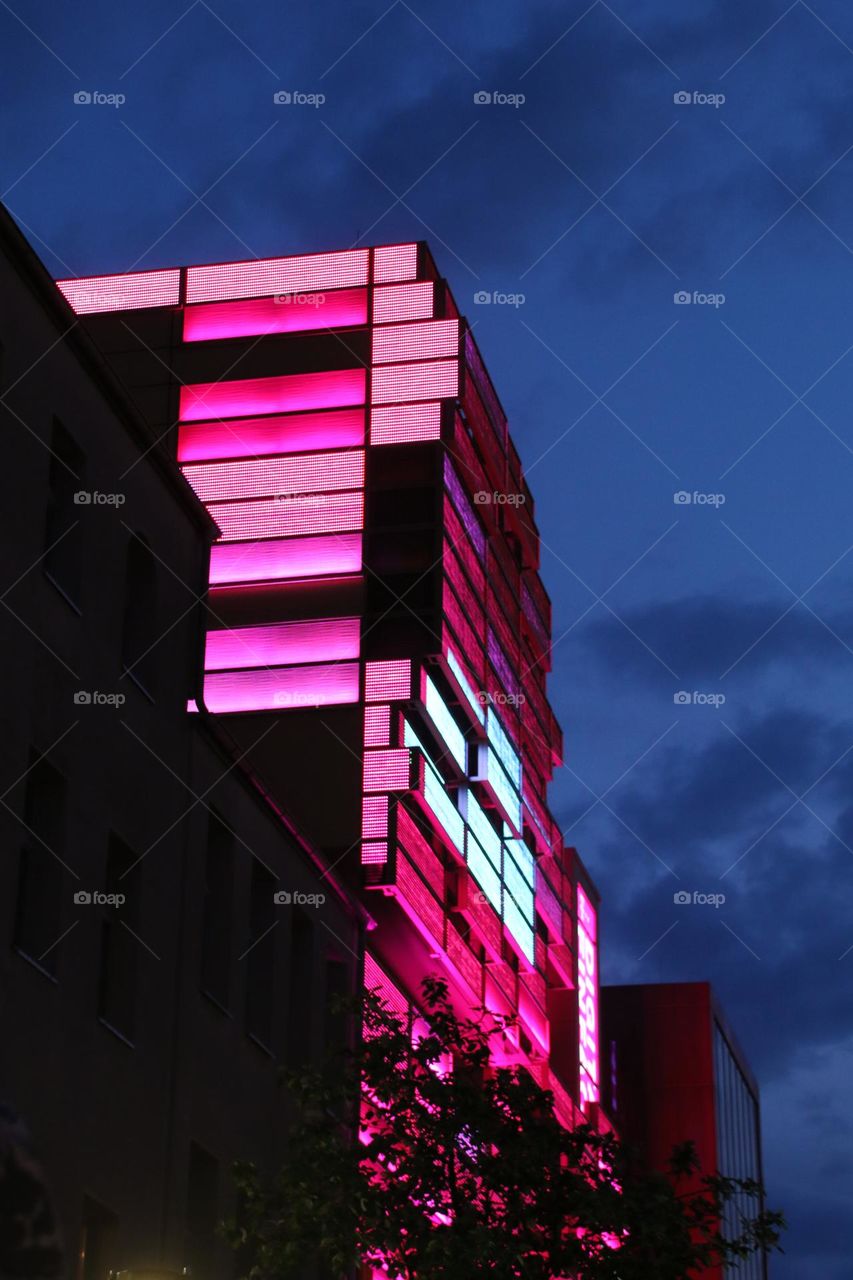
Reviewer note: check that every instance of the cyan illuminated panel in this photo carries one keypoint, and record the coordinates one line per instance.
(444, 723)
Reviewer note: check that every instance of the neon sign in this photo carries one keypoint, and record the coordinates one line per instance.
(587, 1000)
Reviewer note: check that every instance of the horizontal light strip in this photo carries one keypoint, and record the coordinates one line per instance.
(287, 433)
(417, 341)
(321, 685)
(285, 313)
(289, 516)
(401, 424)
(279, 643)
(428, 380)
(403, 302)
(395, 262)
(130, 292)
(277, 275)
(334, 388)
(285, 558)
(387, 770)
(387, 681)
(270, 477)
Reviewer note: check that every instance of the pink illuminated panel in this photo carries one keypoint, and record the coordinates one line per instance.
(429, 380)
(395, 262)
(403, 423)
(285, 313)
(422, 341)
(403, 302)
(277, 275)
(279, 643)
(289, 433)
(387, 770)
(374, 819)
(321, 685)
(129, 292)
(377, 726)
(374, 853)
(285, 558)
(266, 477)
(587, 999)
(331, 389)
(385, 681)
(289, 515)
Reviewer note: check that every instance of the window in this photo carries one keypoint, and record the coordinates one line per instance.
(260, 958)
(301, 1001)
(216, 924)
(97, 1235)
(119, 948)
(202, 1211)
(41, 878)
(140, 632)
(63, 537)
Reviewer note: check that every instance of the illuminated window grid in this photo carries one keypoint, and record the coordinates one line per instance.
(464, 509)
(488, 839)
(422, 906)
(278, 433)
(427, 380)
(287, 313)
(287, 476)
(435, 797)
(462, 546)
(405, 423)
(403, 302)
(503, 747)
(419, 850)
(267, 276)
(374, 853)
(132, 291)
(374, 817)
(388, 680)
(285, 559)
(443, 722)
(288, 516)
(454, 615)
(504, 793)
(286, 393)
(464, 591)
(387, 769)
(377, 726)
(483, 872)
(519, 927)
(416, 340)
(474, 656)
(395, 262)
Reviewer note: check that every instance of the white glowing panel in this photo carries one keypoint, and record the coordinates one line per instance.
(465, 688)
(446, 727)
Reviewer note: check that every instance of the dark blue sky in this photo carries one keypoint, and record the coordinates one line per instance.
(597, 198)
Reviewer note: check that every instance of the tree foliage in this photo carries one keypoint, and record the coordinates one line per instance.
(462, 1170)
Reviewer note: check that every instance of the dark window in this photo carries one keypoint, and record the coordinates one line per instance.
(140, 631)
(216, 945)
(300, 1006)
(260, 958)
(119, 947)
(97, 1237)
(63, 536)
(42, 880)
(202, 1211)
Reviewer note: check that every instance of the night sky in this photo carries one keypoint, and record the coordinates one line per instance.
(591, 204)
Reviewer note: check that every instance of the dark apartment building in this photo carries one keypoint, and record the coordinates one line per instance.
(168, 938)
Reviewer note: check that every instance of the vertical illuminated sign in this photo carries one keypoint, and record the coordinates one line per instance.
(587, 1000)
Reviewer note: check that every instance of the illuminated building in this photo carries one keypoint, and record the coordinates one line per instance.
(375, 604)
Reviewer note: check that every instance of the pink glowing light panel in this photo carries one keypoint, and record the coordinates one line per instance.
(285, 313)
(268, 276)
(282, 559)
(374, 819)
(395, 262)
(387, 770)
(289, 515)
(403, 302)
(130, 292)
(377, 726)
(588, 1030)
(320, 685)
(424, 340)
(428, 380)
(304, 473)
(334, 388)
(281, 433)
(404, 423)
(384, 681)
(280, 643)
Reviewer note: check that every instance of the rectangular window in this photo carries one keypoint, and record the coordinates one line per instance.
(41, 879)
(120, 950)
(260, 958)
(63, 540)
(216, 945)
